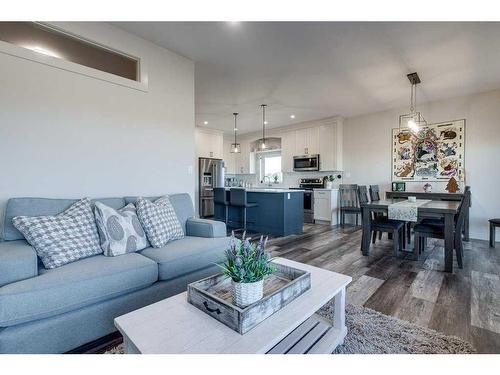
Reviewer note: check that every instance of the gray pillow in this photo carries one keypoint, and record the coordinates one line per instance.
(159, 221)
(63, 238)
(119, 230)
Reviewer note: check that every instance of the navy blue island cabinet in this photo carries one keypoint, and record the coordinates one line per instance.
(279, 212)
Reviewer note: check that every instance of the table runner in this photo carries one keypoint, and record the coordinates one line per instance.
(405, 210)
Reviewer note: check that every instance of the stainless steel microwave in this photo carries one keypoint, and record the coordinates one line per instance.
(306, 163)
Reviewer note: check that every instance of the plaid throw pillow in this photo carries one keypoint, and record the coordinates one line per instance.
(64, 238)
(119, 230)
(159, 221)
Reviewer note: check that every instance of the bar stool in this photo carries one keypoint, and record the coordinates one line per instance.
(238, 198)
(220, 197)
(494, 223)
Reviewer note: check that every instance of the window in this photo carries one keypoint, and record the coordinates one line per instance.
(58, 44)
(270, 167)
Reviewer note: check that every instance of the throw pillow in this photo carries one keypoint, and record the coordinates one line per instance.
(159, 221)
(119, 230)
(63, 238)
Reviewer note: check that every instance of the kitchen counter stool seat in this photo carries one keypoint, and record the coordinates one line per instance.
(238, 198)
(220, 197)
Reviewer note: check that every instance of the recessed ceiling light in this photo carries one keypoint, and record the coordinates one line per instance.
(292, 116)
(265, 122)
(205, 122)
(235, 129)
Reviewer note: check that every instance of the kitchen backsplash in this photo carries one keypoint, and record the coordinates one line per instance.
(290, 179)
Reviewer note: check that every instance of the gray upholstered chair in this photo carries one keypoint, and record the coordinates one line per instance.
(220, 197)
(238, 198)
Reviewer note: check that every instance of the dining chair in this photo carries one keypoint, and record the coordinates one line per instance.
(428, 230)
(375, 196)
(374, 193)
(383, 224)
(348, 196)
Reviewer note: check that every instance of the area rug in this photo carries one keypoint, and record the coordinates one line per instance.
(370, 332)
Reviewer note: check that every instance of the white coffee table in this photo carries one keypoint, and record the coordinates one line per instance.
(173, 326)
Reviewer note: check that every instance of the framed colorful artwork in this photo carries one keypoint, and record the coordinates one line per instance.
(434, 153)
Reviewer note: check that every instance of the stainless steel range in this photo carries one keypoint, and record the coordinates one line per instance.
(309, 184)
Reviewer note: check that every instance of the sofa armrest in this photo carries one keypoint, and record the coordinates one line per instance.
(205, 228)
(18, 261)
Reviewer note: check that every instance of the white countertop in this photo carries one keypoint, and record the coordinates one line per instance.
(324, 189)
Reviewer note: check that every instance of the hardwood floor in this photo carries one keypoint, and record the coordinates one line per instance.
(465, 304)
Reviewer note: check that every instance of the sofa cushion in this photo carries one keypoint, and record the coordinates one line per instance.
(120, 231)
(18, 261)
(182, 203)
(159, 221)
(64, 238)
(187, 255)
(41, 207)
(74, 285)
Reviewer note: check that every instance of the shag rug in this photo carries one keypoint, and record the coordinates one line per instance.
(370, 332)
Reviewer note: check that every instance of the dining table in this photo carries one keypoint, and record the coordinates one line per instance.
(429, 209)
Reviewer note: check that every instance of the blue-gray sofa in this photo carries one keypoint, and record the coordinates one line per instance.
(57, 310)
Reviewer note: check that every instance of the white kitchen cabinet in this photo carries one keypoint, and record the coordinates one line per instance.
(288, 151)
(229, 158)
(330, 146)
(209, 143)
(326, 205)
(307, 141)
(240, 163)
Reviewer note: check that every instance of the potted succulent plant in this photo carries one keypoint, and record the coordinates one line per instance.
(247, 265)
(329, 180)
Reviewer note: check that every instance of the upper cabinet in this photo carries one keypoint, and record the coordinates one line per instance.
(287, 150)
(307, 141)
(240, 163)
(229, 158)
(330, 146)
(323, 137)
(209, 143)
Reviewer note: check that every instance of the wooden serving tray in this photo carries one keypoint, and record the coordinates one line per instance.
(213, 296)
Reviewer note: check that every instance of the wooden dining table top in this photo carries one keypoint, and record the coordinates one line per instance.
(439, 207)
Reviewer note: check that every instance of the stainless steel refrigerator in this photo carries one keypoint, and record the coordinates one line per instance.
(211, 175)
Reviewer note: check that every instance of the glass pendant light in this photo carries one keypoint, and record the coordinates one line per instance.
(413, 120)
(263, 145)
(235, 147)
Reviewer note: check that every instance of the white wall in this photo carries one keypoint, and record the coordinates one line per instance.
(367, 150)
(63, 134)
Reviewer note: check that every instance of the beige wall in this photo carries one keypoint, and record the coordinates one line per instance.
(63, 134)
(367, 150)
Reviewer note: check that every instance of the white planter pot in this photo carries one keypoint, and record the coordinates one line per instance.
(245, 294)
(329, 184)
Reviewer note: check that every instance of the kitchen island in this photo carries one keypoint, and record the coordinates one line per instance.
(279, 212)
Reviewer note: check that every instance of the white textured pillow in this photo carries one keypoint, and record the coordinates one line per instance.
(119, 230)
(64, 238)
(159, 221)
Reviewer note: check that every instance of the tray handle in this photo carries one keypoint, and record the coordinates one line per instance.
(211, 310)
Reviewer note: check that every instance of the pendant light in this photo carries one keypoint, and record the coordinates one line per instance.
(235, 147)
(263, 145)
(413, 120)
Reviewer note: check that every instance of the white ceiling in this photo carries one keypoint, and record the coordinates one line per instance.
(322, 69)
